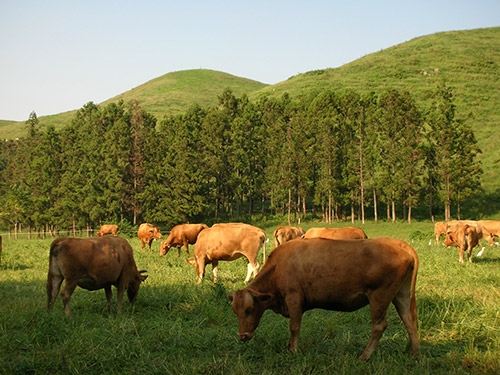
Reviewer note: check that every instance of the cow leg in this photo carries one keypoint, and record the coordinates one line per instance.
(121, 292)
(109, 294)
(460, 254)
(379, 324)
(252, 268)
(53, 286)
(200, 269)
(295, 312)
(215, 270)
(186, 246)
(66, 293)
(408, 313)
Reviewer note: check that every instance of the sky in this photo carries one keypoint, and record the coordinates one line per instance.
(56, 56)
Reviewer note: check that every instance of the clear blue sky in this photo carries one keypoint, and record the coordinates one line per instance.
(56, 56)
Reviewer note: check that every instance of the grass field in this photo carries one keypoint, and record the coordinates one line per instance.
(178, 327)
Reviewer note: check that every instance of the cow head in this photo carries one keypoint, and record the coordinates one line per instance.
(249, 305)
(451, 238)
(155, 233)
(164, 248)
(135, 283)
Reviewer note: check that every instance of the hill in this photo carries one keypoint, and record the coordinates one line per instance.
(170, 94)
(468, 61)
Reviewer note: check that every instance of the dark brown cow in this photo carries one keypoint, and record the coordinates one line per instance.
(228, 242)
(340, 275)
(107, 229)
(147, 233)
(464, 237)
(92, 264)
(182, 234)
(439, 230)
(286, 233)
(353, 233)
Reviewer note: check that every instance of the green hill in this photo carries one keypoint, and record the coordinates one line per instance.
(468, 61)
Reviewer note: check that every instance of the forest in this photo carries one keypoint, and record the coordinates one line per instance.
(331, 155)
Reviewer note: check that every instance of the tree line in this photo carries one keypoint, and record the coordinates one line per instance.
(333, 155)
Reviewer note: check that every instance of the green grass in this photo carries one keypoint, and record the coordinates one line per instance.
(178, 327)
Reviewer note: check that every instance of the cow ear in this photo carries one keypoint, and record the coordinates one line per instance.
(261, 297)
(230, 297)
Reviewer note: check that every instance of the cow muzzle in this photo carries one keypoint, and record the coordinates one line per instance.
(245, 336)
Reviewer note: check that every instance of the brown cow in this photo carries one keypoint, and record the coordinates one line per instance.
(439, 230)
(107, 229)
(340, 275)
(353, 233)
(286, 233)
(228, 242)
(92, 264)
(481, 231)
(147, 233)
(182, 234)
(464, 237)
(493, 227)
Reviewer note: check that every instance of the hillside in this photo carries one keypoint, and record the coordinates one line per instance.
(169, 94)
(468, 61)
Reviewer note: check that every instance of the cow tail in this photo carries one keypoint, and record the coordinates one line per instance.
(413, 302)
(264, 240)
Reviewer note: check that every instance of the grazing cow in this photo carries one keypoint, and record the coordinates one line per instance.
(228, 242)
(285, 233)
(340, 275)
(107, 229)
(491, 226)
(439, 230)
(482, 232)
(147, 233)
(183, 234)
(464, 237)
(92, 264)
(353, 233)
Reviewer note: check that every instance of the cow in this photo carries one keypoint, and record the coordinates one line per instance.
(439, 230)
(464, 237)
(92, 264)
(228, 242)
(147, 233)
(286, 233)
(481, 231)
(491, 226)
(336, 233)
(339, 275)
(182, 234)
(107, 229)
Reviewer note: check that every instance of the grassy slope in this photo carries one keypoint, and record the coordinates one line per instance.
(468, 61)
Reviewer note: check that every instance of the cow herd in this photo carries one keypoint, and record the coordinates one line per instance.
(466, 234)
(329, 268)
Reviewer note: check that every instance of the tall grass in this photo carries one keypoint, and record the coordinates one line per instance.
(178, 327)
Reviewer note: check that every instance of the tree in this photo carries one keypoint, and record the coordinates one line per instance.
(453, 149)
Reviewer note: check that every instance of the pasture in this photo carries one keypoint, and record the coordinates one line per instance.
(178, 327)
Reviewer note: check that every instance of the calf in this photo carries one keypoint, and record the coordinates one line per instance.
(183, 234)
(341, 275)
